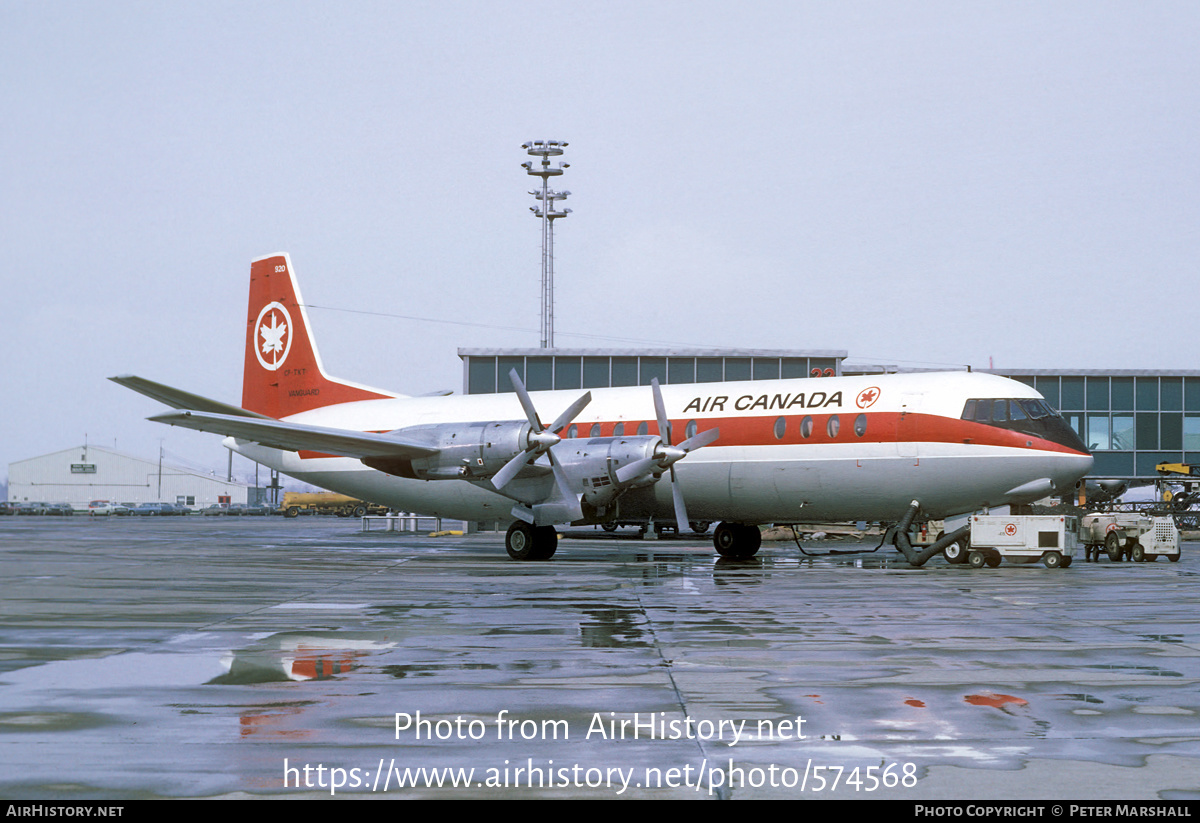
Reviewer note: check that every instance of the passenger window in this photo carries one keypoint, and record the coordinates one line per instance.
(833, 426)
(690, 431)
(572, 432)
(619, 430)
(806, 427)
(860, 425)
(780, 427)
(644, 429)
(595, 430)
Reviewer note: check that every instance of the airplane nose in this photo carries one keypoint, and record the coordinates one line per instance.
(1071, 470)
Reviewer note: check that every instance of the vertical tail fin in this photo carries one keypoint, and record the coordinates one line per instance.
(283, 373)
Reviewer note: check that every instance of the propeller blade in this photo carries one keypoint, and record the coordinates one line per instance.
(510, 469)
(526, 402)
(681, 515)
(699, 440)
(564, 486)
(636, 469)
(566, 418)
(660, 409)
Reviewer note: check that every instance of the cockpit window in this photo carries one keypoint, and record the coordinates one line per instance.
(997, 410)
(1036, 409)
(1028, 415)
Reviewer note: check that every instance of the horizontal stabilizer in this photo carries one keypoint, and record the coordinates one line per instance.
(180, 399)
(296, 437)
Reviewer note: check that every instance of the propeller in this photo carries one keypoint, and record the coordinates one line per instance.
(541, 438)
(666, 456)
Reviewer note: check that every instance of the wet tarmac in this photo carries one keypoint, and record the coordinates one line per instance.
(212, 657)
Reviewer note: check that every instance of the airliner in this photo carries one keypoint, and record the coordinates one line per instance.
(742, 454)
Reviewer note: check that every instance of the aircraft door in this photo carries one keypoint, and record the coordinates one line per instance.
(908, 426)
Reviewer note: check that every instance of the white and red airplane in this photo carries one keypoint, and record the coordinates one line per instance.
(745, 453)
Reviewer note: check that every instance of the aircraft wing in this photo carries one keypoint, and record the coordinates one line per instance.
(180, 399)
(295, 436)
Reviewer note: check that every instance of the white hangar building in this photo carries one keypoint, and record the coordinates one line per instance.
(86, 473)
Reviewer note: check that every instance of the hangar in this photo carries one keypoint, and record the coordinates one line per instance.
(85, 473)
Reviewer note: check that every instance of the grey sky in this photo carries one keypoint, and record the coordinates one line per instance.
(938, 182)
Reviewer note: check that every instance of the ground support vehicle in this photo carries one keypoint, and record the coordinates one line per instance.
(1025, 538)
(924, 535)
(298, 503)
(1129, 536)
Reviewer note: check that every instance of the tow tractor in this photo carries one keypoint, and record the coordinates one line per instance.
(1129, 536)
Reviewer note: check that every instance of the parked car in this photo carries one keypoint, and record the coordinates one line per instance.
(60, 509)
(7, 508)
(101, 508)
(214, 510)
(155, 510)
(33, 507)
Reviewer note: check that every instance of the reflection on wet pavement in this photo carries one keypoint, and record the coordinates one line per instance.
(192, 659)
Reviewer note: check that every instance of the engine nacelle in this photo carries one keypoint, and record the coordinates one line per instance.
(466, 451)
(592, 465)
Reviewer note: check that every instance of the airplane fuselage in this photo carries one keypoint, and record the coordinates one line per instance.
(807, 450)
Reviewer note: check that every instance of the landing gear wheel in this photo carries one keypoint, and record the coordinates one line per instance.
(736, 541)
(1112, 545)
(976, 559)
(545, 542)
(526, 542)
(609, 527)
(1052, 560)
(956, 552)
(518, 541)
(752, 540)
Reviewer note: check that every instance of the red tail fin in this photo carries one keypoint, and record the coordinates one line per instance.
(283, 374)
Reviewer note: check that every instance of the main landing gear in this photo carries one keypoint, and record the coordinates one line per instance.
(737, 541)
(526, 542)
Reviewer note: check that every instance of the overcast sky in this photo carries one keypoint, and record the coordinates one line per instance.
(913, 182)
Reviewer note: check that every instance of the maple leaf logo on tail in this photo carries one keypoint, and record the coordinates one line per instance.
(276, 336)
(272, 336)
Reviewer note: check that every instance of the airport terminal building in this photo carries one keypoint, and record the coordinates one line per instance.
(1132, 420)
